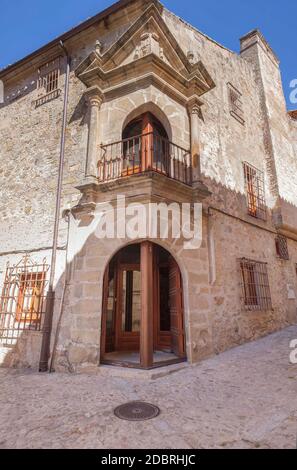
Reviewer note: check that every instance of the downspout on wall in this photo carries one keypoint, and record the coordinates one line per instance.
(48, 319)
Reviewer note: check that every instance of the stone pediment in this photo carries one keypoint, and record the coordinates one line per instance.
(146, 53)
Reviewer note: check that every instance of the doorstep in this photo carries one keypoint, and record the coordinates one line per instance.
(131, 373)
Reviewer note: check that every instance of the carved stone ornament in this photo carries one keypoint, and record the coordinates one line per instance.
(146, 54)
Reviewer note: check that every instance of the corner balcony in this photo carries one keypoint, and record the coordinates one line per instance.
(145, 168)
(142, 155)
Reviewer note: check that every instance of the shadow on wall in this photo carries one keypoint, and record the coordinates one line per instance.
(77, 313)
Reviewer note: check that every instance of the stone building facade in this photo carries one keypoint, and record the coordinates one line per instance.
(157, 112)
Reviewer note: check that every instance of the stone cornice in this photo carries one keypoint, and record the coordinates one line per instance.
(94, 96)
(194, 105)
(146, 186)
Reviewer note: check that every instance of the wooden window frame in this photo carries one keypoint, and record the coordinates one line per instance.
(23, 299)
(48, 83)
(26, 311)
(255, 191)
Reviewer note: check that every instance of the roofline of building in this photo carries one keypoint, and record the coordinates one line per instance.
(293, 114)
(65, 36)
(100, 17)
(257, 32)
(206, 36)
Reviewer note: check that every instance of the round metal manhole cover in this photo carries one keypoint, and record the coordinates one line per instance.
(137, 411)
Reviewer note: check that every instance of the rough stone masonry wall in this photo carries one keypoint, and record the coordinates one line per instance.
(285, 157)
(231, 324)
(29, 154)
(29, 157)
(279, 141)
(226, 144)
(78, 347)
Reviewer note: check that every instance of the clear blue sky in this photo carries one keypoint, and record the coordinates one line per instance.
(26, 25)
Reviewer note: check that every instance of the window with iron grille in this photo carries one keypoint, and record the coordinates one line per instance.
(255, 285)
(22, 303)
(281, 245)
(48, 82)
(255, 191)
(236, 104)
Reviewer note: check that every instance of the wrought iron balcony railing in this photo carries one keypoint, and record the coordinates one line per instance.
(142, 154)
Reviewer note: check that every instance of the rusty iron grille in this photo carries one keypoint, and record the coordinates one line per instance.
(255, 285)
(281, 245)
(49, 74)
(236, 104)
(144, 153)
(22, 303)
(255, 191)
(47, 98)
(48, 82)
(137, 411)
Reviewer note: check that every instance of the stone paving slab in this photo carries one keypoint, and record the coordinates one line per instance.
(244, 398)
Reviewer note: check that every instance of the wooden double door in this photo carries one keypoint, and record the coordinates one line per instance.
(145, 146)
(143, 306)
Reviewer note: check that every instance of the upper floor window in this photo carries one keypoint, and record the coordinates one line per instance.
(145, 148)
(281, 245)
(145, 145)
(48, 81)
(236, 104)
(255, 285)
(255, 191)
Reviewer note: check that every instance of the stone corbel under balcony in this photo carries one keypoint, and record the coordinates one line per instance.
(143, 188)
(85, 209)
(200, 191)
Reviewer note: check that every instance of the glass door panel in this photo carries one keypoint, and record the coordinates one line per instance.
(131, 307)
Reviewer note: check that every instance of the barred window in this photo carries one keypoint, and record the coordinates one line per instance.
(48, 82)
(22, 303)
(255, 285)
(236, 104)
(281, 245)
(255, 191)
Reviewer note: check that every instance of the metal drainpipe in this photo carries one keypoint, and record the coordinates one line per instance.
(48, 318)
(61, 310)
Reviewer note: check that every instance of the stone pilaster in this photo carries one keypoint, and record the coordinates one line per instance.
(194, 110)
(94, 97)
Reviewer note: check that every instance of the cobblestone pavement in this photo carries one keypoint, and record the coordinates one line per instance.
(244, 398)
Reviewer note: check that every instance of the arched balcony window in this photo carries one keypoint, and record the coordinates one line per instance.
(144, 147)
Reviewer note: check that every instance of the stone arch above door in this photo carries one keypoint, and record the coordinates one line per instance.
(120, 111)
(155, 110)
(147, 332)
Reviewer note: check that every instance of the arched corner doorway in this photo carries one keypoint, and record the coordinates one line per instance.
(142, 317)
